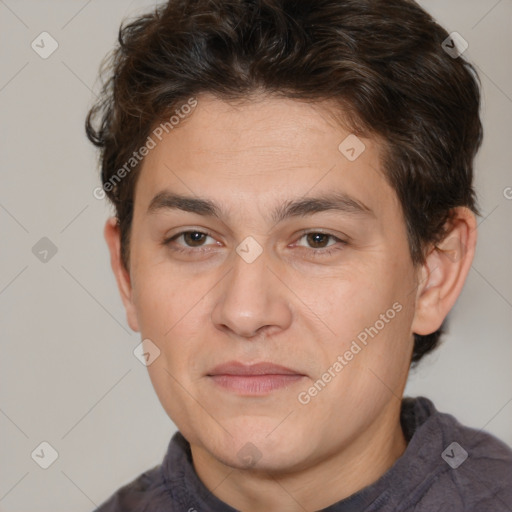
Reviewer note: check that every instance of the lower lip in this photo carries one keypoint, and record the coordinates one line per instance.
(254, 384)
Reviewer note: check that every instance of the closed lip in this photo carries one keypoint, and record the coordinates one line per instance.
(264, 368)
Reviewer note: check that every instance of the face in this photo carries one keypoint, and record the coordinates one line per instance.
(299, 258)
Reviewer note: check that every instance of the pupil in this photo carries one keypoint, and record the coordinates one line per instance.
(315, 236)
(195, 236)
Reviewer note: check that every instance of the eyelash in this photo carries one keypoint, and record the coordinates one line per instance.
(314, 252)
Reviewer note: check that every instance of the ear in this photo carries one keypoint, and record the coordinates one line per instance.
(444, 272)
(112, 236)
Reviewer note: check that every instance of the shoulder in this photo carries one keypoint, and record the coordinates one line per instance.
(484, 479)
(163, 488)
(137, 494)
(472, 469)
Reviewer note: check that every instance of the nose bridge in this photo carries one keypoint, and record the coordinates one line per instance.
(250, 273)
(251, 296)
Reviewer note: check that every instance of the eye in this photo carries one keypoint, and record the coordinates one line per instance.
(193, 239)
(319, 240)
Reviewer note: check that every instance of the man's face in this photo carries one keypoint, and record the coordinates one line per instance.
(281, 297)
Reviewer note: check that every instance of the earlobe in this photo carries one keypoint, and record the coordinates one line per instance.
(442, 276)
(113, 238)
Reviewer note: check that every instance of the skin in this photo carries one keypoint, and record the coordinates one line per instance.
(288, 307)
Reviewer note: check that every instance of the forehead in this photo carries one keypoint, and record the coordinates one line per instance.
(261, 153)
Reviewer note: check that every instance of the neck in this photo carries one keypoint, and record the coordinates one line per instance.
(314, 487)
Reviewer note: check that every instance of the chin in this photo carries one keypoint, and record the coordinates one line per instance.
(260, 447)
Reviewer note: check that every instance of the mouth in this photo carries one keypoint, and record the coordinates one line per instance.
(255, 379)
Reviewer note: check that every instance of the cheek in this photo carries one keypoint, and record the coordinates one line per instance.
(369, 312)
(172, 314)
(350, 301)
(160, 297)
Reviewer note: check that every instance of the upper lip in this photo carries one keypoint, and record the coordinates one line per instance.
(264, 368)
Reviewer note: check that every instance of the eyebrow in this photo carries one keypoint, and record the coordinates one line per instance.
(300, 207)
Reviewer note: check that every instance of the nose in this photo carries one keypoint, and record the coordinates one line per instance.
(251, 300)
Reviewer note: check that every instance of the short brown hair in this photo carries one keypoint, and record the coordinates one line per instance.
(381, 61)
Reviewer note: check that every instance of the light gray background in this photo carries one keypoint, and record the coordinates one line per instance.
(68, 375)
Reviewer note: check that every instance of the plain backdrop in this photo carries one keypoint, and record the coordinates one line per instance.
(68, 374)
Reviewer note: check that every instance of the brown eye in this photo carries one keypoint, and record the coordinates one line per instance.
(318, 240)
(318, 243)
(193, 238)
